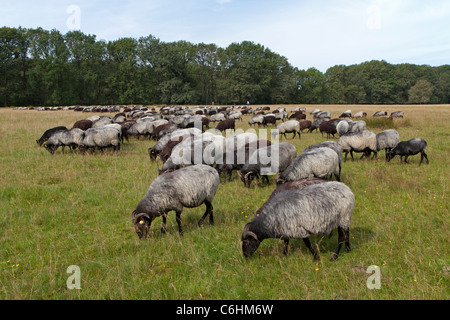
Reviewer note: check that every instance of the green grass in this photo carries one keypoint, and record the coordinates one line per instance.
(69, 209)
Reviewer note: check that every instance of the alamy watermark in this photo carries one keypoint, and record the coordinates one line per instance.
(73, 22)
(374, 281)
(74, 281)
(213, 148)
(373, 22)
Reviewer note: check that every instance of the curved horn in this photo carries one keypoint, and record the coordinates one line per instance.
(135, 218)
(246, 175)
(246, 234)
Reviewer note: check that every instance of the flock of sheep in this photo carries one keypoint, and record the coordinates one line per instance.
(305, 202)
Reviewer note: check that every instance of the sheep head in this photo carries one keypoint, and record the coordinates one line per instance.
(152, 153)
(247, 178)
(389, 155)
(141, 223)
(250, 242)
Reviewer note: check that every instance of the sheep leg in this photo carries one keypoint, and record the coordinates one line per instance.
(286, 247)
(426, 157)
(180, 230)
(341, 240)
(294, 135)
(308, 245)
(209, 210)
(406, 158)
(163, 226)
(347, 240)
(422, 156)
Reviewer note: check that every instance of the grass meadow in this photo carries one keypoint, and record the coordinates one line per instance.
(68, 209)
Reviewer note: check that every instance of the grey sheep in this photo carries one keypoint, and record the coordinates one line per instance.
(365, 142)
(290, 126)
(236, 158)
(319, 162)
(175, 135)
(291, 185)
(267, 160)
(188, 187)
(256, 119)
(387, 140)
(205, 148)
(71, 138)
(293, 214)
(360, 114)
(100, 138)
(397, 114)
(409, 148)
(329, 144)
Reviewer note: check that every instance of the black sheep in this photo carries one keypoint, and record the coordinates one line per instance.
(48, 133)
(226, 124)
(409, 148)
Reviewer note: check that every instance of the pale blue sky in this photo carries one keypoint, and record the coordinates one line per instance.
(318, 34)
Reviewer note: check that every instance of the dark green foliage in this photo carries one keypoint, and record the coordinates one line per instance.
(40, 67)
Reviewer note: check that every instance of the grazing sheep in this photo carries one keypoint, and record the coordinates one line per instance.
(342, 127)
(346, 114)
(291, 185)
(298, 116)
(360, 114)
(163, 130)
(349, 126)
(48, 133)
(365, 142)
(188, 187)
(217, 117)
(167, 150)
(316, 124)
(269, 118)
(328, 144)
(387, 140)
(206, 148)
(226, 124)
(409, 148)
(235, 115)
(293, 214)
(256, 119)
(101, 122)
(380, 114)
(159, 146)
(328, 127)
(319, 162)
(322, 115)
(397, 114)
(236, 158)
(100, 138)
(83, 124)
(268, 160)
(62, 138)
(305, 124)
(290, 126)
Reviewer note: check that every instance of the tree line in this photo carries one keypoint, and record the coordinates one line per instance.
(42, 67)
